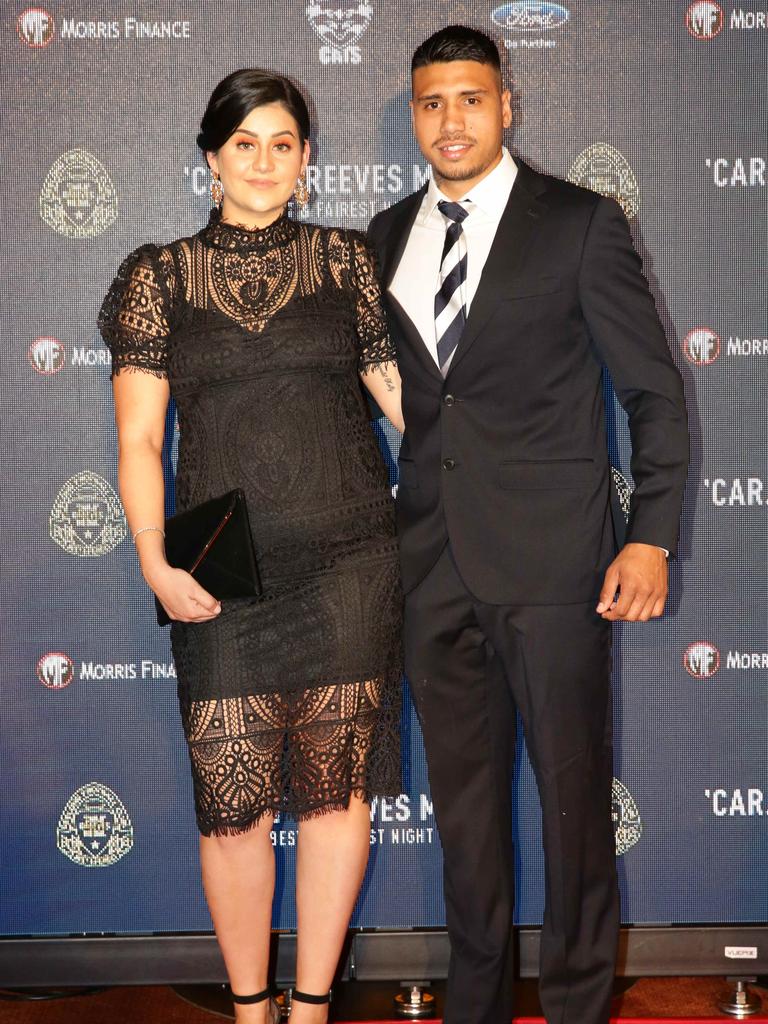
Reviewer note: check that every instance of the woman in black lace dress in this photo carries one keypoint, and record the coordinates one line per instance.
(260, 328)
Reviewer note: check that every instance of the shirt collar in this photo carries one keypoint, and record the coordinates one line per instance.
(490, 195)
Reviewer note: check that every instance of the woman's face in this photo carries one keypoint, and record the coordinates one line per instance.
(258, 165)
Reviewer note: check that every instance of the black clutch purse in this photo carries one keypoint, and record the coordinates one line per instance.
(212, 541)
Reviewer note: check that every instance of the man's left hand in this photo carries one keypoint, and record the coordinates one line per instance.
(639, 574)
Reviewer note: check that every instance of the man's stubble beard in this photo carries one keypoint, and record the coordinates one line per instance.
(460, 173)
(463, 173)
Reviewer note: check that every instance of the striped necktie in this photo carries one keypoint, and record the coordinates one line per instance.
(450, 313)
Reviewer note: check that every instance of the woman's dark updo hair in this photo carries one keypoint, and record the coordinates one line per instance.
(241, 92)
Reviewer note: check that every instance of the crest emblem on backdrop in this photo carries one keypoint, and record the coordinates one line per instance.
(94, 829)
(35, 27)
(604, 169)
(339, 23)
(55, 670)
(46, 355)
(87, 518)
(627, 826)
(78, 199)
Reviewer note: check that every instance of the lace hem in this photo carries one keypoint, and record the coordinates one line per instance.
(302, 754)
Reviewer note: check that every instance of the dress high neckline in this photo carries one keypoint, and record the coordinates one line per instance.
(221, 234)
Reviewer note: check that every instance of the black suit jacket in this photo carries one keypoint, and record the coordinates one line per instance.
(507, 456)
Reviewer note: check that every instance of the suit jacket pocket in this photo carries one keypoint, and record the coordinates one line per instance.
(549, 474)
(529, 287)
(406, 473)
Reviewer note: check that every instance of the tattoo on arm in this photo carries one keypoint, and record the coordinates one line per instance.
(387, 379)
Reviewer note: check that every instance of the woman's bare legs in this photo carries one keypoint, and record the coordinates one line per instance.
(239, 883)
(330, 864)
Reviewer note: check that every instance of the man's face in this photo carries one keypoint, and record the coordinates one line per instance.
(459, 115)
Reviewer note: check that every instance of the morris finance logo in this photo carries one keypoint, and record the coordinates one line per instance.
(532, 20)
(627, 826)
(94, 829)
(339, 25)
(704, 19)
(35, 27)
(55, 670)
(78, 199)
(701, 346)
(701, 659)
(87, 518)
(604, 169)
(47, 355)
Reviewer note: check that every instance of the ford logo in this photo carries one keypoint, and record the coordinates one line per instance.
(527, 16)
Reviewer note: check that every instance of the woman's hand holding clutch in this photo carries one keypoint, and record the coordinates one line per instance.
(181, 595)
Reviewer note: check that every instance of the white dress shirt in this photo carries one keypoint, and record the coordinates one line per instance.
(417, 278)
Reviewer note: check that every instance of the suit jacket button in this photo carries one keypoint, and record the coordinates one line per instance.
(448, 463)
(449, 399)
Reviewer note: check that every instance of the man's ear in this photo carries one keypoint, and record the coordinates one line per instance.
(506, 108)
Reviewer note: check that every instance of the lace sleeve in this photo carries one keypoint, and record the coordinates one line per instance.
(376, 346)
(134, 319)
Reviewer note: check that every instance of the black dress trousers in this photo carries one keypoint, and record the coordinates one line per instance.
(470, 665)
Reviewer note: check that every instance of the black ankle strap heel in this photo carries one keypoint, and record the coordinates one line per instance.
(259, 997)
(306, 997)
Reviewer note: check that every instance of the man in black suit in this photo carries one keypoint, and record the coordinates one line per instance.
(507, 292)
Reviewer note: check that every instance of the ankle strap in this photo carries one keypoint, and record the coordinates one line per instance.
(259, 997)
(306, 997)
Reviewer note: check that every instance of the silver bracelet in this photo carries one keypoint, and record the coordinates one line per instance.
(144, 530)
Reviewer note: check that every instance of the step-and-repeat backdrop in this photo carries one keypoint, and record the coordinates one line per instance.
(660, 104)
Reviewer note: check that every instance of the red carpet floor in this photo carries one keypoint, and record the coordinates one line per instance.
(647, 1000)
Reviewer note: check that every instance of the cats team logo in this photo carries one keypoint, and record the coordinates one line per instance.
(704, 19)
(35, 27)
(627, 826)
(87, 518)
(94, 829)
(701, 659)
(339, 25)
(701, 346)
(78, 199)
(55, 670)
(47, 355)
(604, 169)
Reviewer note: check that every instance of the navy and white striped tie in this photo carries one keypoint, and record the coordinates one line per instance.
(450, 311)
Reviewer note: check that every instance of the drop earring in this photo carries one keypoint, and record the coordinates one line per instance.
(217, 190)
(301, 192)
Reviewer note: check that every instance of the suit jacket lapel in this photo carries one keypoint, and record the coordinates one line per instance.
(507, 254)
(394, 247)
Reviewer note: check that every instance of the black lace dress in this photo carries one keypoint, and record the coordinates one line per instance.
(290, 702)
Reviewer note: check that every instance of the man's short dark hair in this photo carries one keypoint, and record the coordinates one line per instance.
(457, 42)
